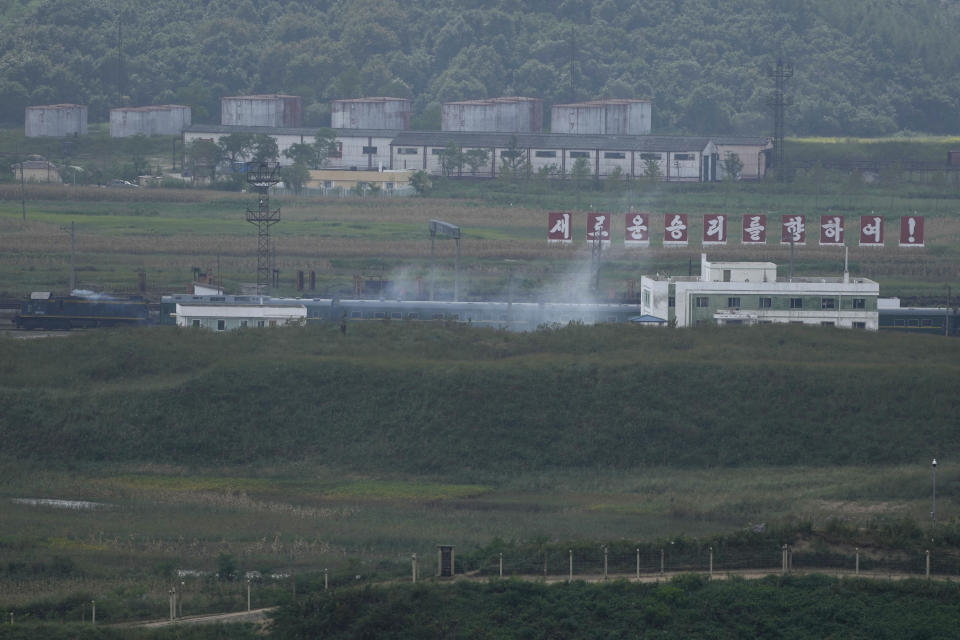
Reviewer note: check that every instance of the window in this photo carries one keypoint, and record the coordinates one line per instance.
(369, 150)
(796, 303)
(796, 322)
(337, 151)
(899, 323)
(646, 297)
(221, 325)
(273, 323)
(672, 301)
(437, 152)
(926, 322)
(828, 303)
(766, 303)
(684, 156)
(406, 151)
(396, 315)
(859, 325)
(328, 184)
(545, 154)
(260, 324)
(826, 323)
(702, 302)
(859, 303)
(388, 186)
(195, 323)
(580, 154)
(379, 314)
(733, 303)
(614, 155)
(438, 316)
(650, 156)
(243, 324)
(913, 322)
(356, 314)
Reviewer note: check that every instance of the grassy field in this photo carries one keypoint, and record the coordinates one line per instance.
(291, 451)
(168, 232)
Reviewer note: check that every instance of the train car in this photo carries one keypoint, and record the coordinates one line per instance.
(46, 311)
(936, 321)
(514, 316)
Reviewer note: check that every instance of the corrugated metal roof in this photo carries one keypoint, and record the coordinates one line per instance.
(306, 132)
(605, 102)
(552, 141)
(241, 311)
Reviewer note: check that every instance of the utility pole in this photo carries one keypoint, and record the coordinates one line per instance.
(780, 73)
(73, 255)
(23, 191)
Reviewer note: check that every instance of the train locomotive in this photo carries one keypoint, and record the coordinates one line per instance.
(46, 311)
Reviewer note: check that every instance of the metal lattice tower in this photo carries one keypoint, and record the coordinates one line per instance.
(777, 102)
(261, 177)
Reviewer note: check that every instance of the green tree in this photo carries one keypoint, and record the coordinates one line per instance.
(732, 166)
(302, 154)
(513, 160)
(451, 159)
(236, 147)
(264, 148)
(421, 182)
(651, 169)
(325, 146)
(476, 158)
(203, 157)
(295, 176)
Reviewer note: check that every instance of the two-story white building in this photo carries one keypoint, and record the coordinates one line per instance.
(733, 293)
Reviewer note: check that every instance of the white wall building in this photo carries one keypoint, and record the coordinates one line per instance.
(229, 317)
(731, 293)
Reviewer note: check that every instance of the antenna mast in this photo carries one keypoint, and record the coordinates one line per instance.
(261, 177)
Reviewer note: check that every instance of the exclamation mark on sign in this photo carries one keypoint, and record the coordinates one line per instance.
(912, 223)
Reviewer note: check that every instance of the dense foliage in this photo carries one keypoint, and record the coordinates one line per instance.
(686, 607)
(862, 68)
(419, 398)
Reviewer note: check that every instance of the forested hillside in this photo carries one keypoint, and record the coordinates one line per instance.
(862, 68)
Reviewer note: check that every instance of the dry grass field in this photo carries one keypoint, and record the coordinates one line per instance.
(168, 232)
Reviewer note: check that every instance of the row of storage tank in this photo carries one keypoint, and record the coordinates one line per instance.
(501, 115)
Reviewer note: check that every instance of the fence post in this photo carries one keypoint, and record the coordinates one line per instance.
(570, 578)
(248, 594)
(783, 559)
(857, 568)
(928, 564)
(93, 612)
(711, 562)
(638, 564)
(501, 564)
(413, 568)
(661, 561)
(604, 562)
(325, 581)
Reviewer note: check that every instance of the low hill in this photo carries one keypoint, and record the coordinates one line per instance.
(451, 399)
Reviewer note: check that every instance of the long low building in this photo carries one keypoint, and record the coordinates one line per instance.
(240, 316)
(671, 158)
(734, 293)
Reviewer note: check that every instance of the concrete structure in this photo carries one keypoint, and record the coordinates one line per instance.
(602, 117)
(386, 180)
(751, 151)
(158, 120)
(371, 113)
(261, 111)
(217, 317)
(501, 115)
(37, 171)
(733, 293)
(56, 120)
(678, 158)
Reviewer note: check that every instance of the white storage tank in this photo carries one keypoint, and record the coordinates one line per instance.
(157, 120)
(503, 115)
(55, 120)
(261, 111)
(603, 117)
(371, 113)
